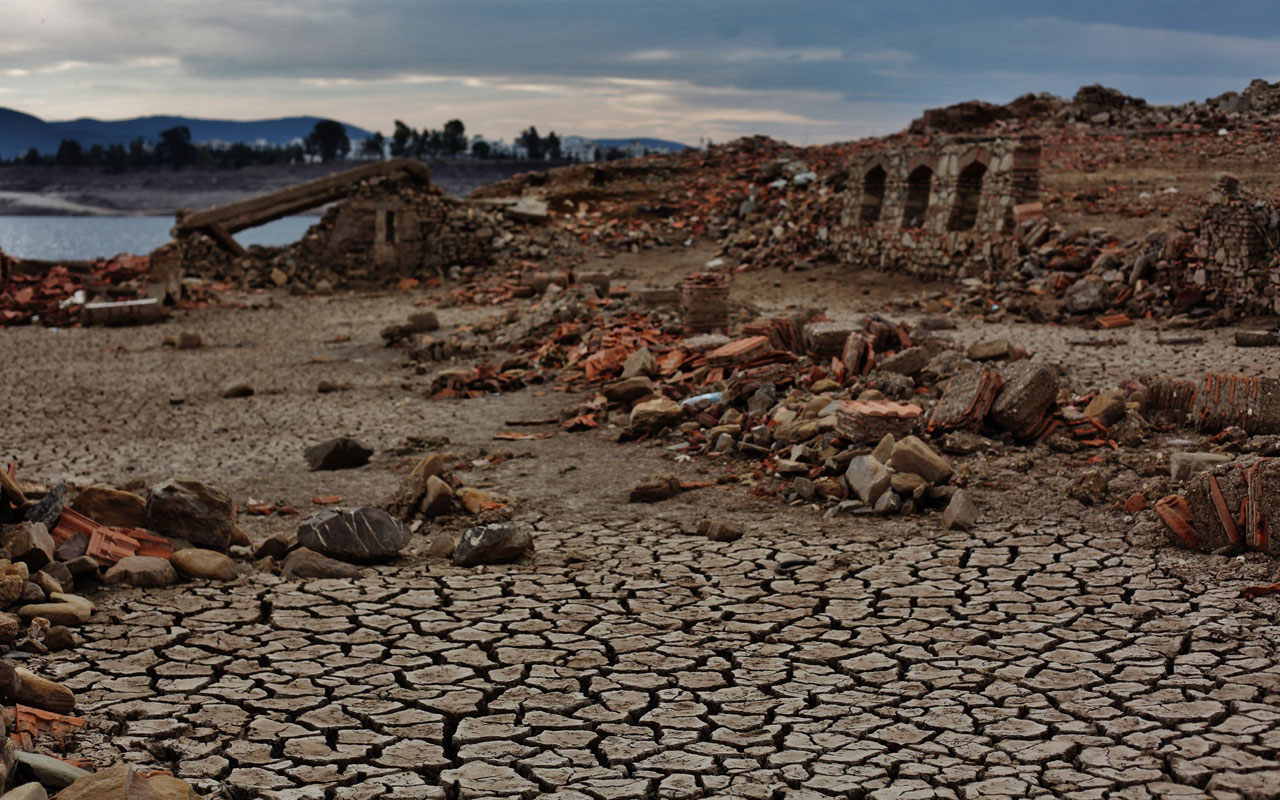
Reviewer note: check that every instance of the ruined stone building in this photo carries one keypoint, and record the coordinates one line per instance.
(391, 221)
(942, 210)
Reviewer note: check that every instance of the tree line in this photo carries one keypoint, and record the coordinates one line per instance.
(327, 141)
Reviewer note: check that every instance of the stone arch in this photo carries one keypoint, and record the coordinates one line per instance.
(874, 182)
(919, 189)
(964, 211)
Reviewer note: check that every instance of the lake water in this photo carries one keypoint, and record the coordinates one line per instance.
(78, 238)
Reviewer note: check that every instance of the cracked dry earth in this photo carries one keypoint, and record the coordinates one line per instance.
(1043, 654)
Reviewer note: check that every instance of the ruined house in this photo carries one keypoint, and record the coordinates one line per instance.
(941, 210)
(391, 221)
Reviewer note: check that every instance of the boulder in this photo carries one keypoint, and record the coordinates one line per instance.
(656, 414)
(196, 562)
(913, 455)
(28, 542)
(146, 572)
(188, 509)
(340, 453)
(307, 563)
(493, 544)
(867, 478)
(112, 507)
(961, 513)
(361, 535)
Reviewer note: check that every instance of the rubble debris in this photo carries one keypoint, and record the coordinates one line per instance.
(1026, 394)
(704, 303)
(340, 453)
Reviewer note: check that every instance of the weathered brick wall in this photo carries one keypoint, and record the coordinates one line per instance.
(941, 210)
(1235, 253)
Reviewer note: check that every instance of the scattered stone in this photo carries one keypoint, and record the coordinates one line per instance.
(146, 572)
(474, 500)
(656, 414)
(362, 535)
(27, 791)
(307, 563)
(888, 503)
(60, 637)
(629, 390)
(1184, 465)
(277, 546)
(721, 531)
(913, 455)
(990, 350)
(493, 544)
(1085, 295)
(654, 489)
(961, 513)
(112, 507)
(442, 544)
(75, 546)
(340, 453)
(413, 488)
(884, 450)
(906, 362)
(196, 562)
(237, 389)
(640, 362)
(183, 508)
(907, 483)
(49, 508)
(424, 322)
(867, 478)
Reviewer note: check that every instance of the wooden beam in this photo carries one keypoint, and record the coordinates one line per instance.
(220, 235)
(265, 208)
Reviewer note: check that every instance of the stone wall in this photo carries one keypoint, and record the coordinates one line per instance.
(1237, 246)
(939, 210)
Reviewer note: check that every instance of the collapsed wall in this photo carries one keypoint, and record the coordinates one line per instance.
(1238, 241)
(939, 211)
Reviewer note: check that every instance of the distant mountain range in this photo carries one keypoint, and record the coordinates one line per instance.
(20, 132)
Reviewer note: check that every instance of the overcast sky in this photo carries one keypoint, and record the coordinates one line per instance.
(819, 71)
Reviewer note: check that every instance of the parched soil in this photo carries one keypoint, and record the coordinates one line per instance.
(1050, 652)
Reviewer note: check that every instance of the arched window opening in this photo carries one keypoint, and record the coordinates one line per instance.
(873, 185)
(964, 214)
(919, 185)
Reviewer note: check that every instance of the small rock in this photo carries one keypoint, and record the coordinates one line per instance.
(720, 531)
(31, 593)
(237, 389)
(629, 390)
(474, 500)
(59, 637)
(867, 478)
(442, 544)
(196, 562)
(438, 499)
(1184, 465)
(49, 508)
(990, 350)
(1108, 407)
(362, 535)
(145, 572)
(492, 544)
(66, 609)
(307, 563)
(54, 772)
(341, 453)
(654, 489)
(112, 507)
(641, 362)
(907, 483)
(75, 546)
(424, 321)
(188, 340)
(27, 791)
(884, 450)
(961, 513)
(656, 414)
(1089, 487)
(889, 503)
(277, 546)
(824, 385)
(28, 542)
(913, 455)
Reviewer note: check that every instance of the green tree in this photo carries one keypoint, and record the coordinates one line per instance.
(328, 139)
(70, 154)
(455, 137)
(373, 145)
(175, 148)
(403, 137)
(531, 142)
(480, 149)
(552, 145)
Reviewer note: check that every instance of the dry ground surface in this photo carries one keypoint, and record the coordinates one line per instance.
(1046, 653)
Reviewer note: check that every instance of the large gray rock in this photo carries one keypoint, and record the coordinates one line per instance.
(361, 535)
(28, 542)
(192, 510)
(867, 478)
(493, 544)
(341, 453)
(1028, 392)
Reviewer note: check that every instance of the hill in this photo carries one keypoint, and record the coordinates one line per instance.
(655, 145)
(20, 132)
